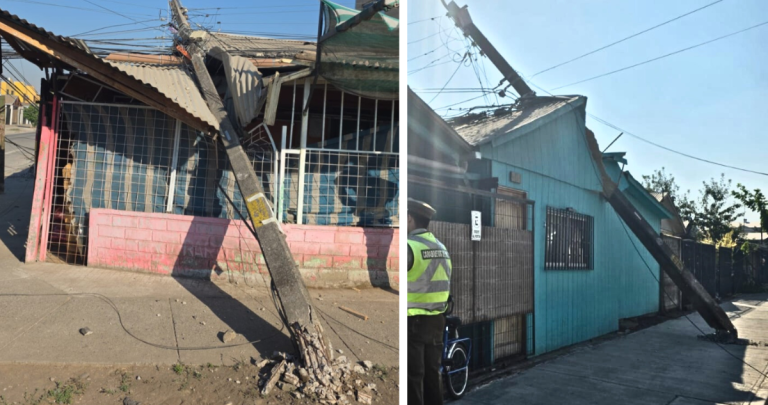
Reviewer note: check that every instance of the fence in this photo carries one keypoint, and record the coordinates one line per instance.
(492, 279)
(722, 272)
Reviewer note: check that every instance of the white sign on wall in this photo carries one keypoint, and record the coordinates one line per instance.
(476, 225)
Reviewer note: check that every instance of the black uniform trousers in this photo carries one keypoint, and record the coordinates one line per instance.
(425, 351)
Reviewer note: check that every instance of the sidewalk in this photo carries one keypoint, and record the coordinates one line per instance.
(160, 310)
(665, 364)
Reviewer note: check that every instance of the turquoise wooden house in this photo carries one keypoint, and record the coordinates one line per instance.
(587, 272)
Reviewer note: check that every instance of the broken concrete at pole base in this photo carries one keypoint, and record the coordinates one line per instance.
(318, 376)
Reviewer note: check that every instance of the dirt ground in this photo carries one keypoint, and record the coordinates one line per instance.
(160, 385)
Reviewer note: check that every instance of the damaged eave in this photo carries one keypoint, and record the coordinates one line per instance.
(62, 49)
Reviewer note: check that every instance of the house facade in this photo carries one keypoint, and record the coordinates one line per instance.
(533, 173)
(131, 173)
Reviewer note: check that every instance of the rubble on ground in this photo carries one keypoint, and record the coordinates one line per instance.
(317, 375)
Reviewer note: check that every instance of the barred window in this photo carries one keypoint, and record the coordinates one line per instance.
(569, 240)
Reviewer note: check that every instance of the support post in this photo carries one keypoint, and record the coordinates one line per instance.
(49, 184)
(174, 164)
(38, 195)
(303, 152)
(2, 149)
(281, 177)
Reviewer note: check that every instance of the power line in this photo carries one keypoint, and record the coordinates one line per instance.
(625, 38)
(608, 124)
(111, 26)
(116, 13)
(69, 7)
(450, 78)
(663, 56)
(427, 19)
(427, 37)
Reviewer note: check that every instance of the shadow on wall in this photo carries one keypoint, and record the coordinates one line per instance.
(193, 269)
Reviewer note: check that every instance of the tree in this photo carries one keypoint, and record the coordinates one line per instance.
(661, 182)
(756, 202)
(714, 213)
(31, 114)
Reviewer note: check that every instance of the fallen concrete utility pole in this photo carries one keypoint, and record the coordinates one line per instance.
(669, 262)
(292, 292)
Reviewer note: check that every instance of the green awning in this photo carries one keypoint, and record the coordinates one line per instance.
(359, 55)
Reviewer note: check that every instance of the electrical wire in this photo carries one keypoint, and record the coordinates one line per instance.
(127, 331)
(428, 19)
(451, 78)
(662, 56)
(111, 26)
(606, 123)
(625, 38)
(70, 7)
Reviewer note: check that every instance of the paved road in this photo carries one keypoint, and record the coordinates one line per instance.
(19, 150)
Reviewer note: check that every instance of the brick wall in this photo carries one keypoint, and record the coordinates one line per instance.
(328, 256)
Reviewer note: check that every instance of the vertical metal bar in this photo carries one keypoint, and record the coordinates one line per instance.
(341, 121)
(303, 152)
(325, 101)
(281, 178)
(174, 163)
(375, 122)
(357, 137)
(293, 111)
(392, 128)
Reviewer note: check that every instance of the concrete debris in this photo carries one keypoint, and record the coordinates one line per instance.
(85, 331)
(340, 351)
(202, 323)
(228, 336)
(367, 364)
(315, 373)
(184, 303)
(364, 397)
(262, 363)
(138, 378)
(158, 314)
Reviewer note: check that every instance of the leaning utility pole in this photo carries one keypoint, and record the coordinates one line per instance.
(292, 293)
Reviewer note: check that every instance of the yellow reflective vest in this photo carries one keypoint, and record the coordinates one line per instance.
(429, 279)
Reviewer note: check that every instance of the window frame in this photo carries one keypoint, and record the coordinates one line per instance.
(576, 250)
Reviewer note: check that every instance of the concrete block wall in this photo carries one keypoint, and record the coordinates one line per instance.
(328, 256)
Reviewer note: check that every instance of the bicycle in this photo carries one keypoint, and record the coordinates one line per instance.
(455, 362)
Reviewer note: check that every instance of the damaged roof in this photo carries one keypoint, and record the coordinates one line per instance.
(174, 82)
(156, 86)
(486, 129)
(257, 47)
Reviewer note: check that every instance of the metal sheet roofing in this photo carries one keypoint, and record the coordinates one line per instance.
(486, 129)
(148, 75)
(245, 85)
(174, 82)
(258, 47)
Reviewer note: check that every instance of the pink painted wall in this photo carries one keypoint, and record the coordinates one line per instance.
(328, 256)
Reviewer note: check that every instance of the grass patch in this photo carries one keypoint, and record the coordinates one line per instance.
(239, 363)
(380, 371)
(125, 386)
(198, 375)
(179, 368)
(32, 399)
(63, 393)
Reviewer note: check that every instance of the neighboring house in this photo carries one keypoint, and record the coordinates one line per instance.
(750, 232)
(573, 271)
(674, 226)
(140, 181)
(12, 109)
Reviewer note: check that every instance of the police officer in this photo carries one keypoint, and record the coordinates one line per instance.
(429, 275)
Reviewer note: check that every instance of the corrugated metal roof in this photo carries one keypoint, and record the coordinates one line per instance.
(153, 79)
(245, 85)
(258, 47)
(484, 130)
(174, 82)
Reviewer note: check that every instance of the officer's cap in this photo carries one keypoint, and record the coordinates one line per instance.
(420, 208)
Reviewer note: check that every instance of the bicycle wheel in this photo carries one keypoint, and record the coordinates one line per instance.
(457, 382)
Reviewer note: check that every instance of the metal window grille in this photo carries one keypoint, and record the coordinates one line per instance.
(569, 240)
(135, 158)
(342, 188)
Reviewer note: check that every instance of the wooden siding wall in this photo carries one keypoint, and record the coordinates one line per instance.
(572, 306)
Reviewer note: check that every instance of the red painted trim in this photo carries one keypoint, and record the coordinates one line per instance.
(48, 201)
(38, 195)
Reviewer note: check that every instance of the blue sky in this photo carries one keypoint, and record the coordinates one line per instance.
(708, 102)
(296, 18)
